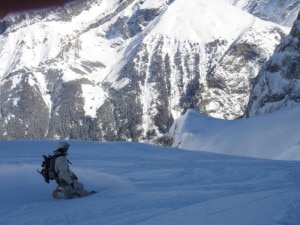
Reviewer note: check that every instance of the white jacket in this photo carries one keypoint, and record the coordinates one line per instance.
(63, 170)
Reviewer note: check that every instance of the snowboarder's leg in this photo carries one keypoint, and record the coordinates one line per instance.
(68, 191)
(79, 189)
(76, 189)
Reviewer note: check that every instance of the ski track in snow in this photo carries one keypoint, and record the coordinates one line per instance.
(144, 184)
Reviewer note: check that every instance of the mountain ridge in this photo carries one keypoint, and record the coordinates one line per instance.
(277, 85)
(87, 78)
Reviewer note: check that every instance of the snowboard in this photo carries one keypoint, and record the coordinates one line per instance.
(58, 193)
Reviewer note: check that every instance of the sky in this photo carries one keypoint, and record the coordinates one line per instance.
(146, 184)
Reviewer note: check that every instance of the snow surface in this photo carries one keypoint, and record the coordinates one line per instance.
(270, 136)
(271, 10)
(146, 184)
(95, 97)
(203, 21)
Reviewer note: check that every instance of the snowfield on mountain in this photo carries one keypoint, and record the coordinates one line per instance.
(110, 70)
(145, 184)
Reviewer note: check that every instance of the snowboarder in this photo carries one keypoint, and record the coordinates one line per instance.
(66, 178)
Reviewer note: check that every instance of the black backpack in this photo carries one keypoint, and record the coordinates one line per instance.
(48, 170)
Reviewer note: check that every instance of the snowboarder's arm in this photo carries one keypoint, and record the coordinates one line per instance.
(62, 168)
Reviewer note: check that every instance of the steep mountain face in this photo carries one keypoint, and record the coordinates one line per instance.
(277, 11)
(278, 83)
(124, 70)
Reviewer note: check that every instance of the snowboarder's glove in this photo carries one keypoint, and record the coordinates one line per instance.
(74, 177)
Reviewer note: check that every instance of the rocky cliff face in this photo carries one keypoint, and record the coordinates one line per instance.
(278, 83)
(124, 70)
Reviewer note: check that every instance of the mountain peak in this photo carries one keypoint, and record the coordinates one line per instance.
(125, 70)
(202, 21)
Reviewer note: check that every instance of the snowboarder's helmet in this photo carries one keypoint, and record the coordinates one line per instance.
(63, 145)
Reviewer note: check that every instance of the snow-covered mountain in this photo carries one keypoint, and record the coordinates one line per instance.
(277, 11)
(124, 70)
(278, 83)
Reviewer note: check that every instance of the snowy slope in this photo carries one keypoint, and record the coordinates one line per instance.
(203, 22)
(277, 11)
(146, 184)
(143, 184)
(272, 136)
